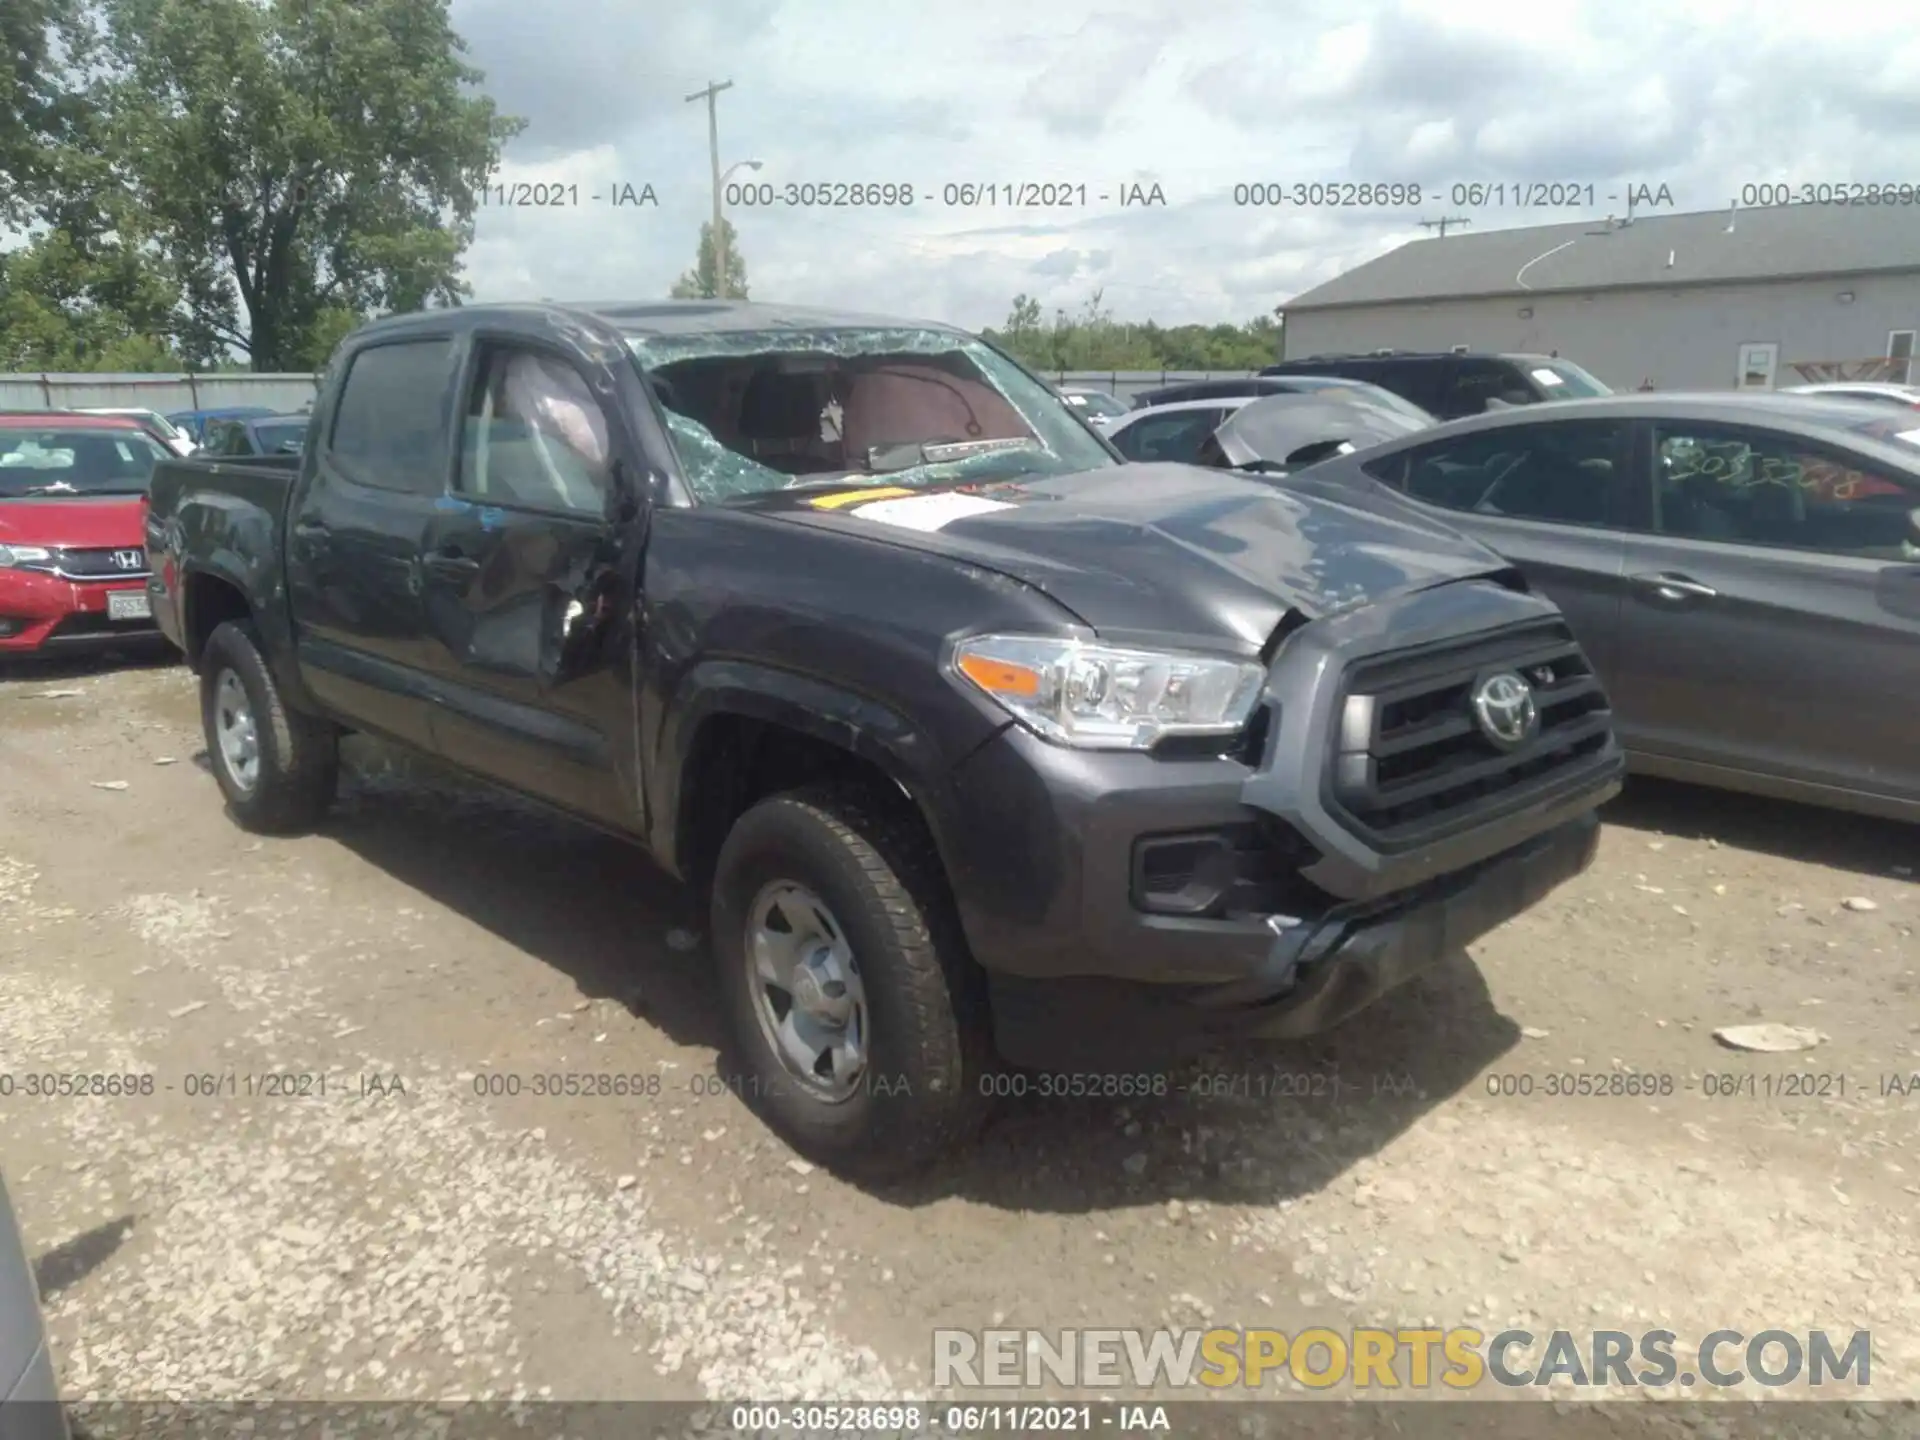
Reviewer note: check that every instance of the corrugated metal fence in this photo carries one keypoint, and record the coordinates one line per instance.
(171, 393)
(168, 394)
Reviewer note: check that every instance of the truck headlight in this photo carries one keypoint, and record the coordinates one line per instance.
(14, 555)
(1098, 697)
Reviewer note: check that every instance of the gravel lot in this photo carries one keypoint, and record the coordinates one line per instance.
(404, 1237)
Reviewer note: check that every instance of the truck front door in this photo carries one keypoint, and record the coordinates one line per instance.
(521, 579)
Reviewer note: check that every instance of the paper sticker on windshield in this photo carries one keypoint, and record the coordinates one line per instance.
(854, 497)
(1912, 437)
(1548, 377)
(929, 512)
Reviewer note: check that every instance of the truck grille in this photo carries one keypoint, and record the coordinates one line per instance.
(1413, 761)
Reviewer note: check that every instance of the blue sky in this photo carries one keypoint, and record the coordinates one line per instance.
(1700, 97)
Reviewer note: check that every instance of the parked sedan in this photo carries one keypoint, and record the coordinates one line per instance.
(258, 435)
(195, 422)
(73, 559)
(1172, 432)
(1180, 431)
(1744, 571)
(151, 421)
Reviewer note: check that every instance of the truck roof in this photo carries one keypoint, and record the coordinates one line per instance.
(677, 317)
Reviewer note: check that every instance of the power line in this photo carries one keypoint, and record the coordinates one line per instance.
(1443, 222)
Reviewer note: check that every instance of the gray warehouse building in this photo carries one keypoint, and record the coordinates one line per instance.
(1725, 299)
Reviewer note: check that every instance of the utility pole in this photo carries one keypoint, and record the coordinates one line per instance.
(1443, 222)
(710, 94)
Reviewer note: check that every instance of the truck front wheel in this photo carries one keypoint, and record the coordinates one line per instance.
(856, 1033)
(279, 769)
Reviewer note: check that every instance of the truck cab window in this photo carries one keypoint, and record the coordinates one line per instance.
(534, 435)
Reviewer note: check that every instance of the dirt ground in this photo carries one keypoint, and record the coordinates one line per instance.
(406, 1235)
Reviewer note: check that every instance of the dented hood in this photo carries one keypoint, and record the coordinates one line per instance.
(1165, 550)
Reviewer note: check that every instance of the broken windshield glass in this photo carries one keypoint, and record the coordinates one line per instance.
(754, 411)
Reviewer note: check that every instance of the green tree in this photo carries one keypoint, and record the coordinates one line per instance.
(701, 282)
(1092, 339)
(313, 158)
(66, 305)
(43, 46)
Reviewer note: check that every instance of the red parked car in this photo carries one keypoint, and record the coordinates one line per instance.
(73, 513)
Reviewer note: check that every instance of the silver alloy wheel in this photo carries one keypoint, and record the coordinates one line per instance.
(807, 994)
(234, 728)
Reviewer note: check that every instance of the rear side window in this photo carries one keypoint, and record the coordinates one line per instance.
(1409, 379)
(390, 425)
(1473, 383)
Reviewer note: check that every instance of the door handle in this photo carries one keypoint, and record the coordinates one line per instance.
(311, 530)
(450, 564)
(1675, 587)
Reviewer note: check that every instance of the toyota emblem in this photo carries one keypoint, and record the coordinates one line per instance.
(1504, 708)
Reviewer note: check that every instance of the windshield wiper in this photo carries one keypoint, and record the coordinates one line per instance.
(58, 487)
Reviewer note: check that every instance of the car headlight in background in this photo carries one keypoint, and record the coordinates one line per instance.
(1098, 697)
(17, 555)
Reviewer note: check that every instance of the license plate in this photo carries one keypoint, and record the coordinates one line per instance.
(129, 605)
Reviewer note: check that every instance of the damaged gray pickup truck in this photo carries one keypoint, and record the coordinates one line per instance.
(974, 737)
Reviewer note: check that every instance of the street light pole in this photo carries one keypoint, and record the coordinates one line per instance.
(710, 95)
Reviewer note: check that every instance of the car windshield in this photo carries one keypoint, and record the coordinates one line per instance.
(755, 411)
(282, 438)
(1562, 379)
(1096, 402)
(75, 462)
(148, 419)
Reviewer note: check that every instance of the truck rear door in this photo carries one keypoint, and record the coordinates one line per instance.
(355, 531)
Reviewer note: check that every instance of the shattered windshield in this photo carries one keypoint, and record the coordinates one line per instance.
(755, 411)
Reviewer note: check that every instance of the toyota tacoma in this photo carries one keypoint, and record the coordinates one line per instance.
(983, 747)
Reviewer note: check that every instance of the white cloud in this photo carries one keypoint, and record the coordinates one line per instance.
(1701, 96)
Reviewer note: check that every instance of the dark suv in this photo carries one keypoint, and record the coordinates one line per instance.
(1452, 384)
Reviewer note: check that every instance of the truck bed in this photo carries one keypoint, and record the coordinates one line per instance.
(261, 480)
(222, 518)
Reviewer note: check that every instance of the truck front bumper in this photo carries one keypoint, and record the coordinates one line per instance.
(1130, 906)
(1310, 975)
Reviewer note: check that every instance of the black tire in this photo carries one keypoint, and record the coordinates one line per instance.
(928, 1047)
(298, 769)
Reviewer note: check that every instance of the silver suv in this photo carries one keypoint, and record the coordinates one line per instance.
(29, 1392)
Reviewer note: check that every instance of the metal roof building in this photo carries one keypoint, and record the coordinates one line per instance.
(1724, 299)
